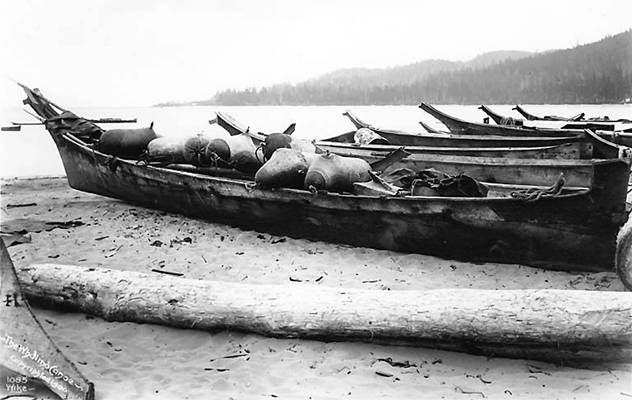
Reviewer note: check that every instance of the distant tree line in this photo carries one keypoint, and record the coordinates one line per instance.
(599, 72)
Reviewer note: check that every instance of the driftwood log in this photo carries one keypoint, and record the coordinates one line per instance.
(551, 325)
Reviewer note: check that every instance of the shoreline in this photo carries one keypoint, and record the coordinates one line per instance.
(150, 361)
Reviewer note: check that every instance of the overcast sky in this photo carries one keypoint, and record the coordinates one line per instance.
(120, 52)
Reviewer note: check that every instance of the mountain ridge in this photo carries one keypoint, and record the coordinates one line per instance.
(598, 72)
(413, 71)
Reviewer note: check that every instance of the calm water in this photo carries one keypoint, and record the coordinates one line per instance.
(32, 152)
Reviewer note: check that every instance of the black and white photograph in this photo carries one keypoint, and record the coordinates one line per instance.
(276, 199)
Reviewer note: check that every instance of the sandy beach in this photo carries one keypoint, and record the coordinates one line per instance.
(136, 361)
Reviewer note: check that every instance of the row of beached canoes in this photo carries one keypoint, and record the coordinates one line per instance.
(548, 197)
(549, 206)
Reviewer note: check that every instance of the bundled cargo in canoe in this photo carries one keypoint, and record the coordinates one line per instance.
(573, 229)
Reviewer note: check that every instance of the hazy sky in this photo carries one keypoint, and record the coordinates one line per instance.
(143, 52)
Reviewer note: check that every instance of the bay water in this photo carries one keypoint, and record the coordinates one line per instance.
(32, 152)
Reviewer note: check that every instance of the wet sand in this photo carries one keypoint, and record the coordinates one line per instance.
(127, 360)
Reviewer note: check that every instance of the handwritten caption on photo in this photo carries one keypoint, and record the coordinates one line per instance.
(41, 369)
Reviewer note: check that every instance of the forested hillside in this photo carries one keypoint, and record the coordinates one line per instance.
(599, 72)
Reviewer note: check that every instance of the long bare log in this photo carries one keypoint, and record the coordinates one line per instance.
(553, 325)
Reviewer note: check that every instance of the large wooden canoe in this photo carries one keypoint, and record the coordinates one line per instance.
(577, 118)
(442, 139)
(31, 365)
(593, 145)
(459, 126)
(595, 125)
(574, 230)
(519, 171)
(531, 117)
(456, 125)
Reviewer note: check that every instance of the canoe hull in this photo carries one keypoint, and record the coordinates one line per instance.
(435, 138)
(461, 127)
(567, 232)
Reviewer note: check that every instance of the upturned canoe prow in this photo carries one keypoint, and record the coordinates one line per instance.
(501, 119)
(532, 117)
(430, 129)
(525, 114)
(357, 122)
(230, 124)
(496, 117)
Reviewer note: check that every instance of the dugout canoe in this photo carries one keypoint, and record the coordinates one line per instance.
(31, 364)
(459, 126)
(578, 118)
(579, 147)
(518, 171)
(532, 117)
(444, 139)
(582, 145)
(592, 124)
(574, 230)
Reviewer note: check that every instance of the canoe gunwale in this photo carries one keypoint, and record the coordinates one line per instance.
(80, 146)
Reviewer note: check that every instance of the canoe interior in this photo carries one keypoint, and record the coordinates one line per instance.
(510, 170)
(451, 140)
(435, 144)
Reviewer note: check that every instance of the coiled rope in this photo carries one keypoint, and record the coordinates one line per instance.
(534, 194)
